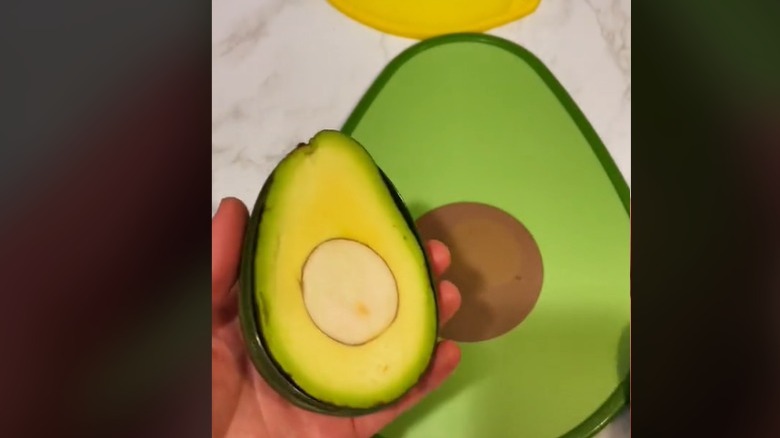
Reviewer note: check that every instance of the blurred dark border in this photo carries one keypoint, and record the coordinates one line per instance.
(104, 225)
(706, 192)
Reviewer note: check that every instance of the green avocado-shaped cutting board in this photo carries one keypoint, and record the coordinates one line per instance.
(494, 158)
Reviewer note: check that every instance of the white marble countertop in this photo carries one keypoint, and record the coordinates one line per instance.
(284, 69)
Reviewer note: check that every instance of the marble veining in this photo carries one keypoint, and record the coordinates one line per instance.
(284, 69)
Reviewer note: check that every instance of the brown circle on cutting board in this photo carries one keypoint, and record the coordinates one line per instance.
(496, 264)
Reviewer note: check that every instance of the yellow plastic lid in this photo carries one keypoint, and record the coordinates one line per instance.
(422, 19)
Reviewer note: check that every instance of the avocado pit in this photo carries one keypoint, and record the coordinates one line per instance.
(349, 292)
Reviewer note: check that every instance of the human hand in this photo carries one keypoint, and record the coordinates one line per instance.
(243, 405)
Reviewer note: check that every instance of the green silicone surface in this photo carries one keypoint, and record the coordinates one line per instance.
(477, 118)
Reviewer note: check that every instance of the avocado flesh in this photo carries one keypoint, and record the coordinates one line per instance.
(345, 301)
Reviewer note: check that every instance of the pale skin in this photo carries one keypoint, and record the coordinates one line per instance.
(243, 405)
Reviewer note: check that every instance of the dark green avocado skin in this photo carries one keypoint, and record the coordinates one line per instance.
(250, 317)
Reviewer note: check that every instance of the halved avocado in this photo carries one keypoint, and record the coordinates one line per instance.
(338, 305)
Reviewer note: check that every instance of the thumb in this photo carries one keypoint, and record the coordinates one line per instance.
(227, 234)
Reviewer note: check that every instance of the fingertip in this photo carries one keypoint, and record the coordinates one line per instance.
(449, 300)
(449, 291)
(440, 255)
(449, 352)
(231, 206)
